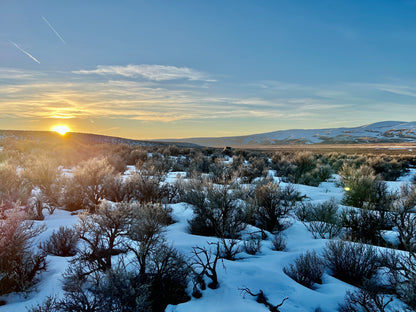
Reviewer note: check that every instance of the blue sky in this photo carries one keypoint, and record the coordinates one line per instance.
(164, 69)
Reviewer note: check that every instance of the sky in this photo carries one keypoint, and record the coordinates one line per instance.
(191, 68)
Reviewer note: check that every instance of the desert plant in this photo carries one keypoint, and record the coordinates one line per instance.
(205, 261)
(272, 203)
(90, 177)
(404, 217)
(353, 263)
(365, 299)
(101, 234)
(363, 226)
(307, 269)
(358, 184)
(19, 264)
(220, 214)
(323, 219)
(147, 227)
(13, 187)
(278, 242)
(61, 243)
(252, 245)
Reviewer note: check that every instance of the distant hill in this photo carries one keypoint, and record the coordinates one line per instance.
(380, 132)
(85, 138)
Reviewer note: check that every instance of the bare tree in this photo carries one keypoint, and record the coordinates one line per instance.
(206, 261)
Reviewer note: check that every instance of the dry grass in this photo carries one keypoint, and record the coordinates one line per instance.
(380, 148)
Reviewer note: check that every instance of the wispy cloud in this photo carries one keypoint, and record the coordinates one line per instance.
(117, 102)
(54, 30)
(150, 72)
(25, 52)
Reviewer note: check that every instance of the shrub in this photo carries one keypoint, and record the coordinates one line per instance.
(62, 243)
(146, 227)
(221, 214)
(278, 242)
(272, 203)
(19, 265)
(252, 245)
(362, 226)
(401, 269)
(353, 263)
(368, 300)
(307, 270)
(90, 178)
(404, 218)
(101, 234)
(13, 187)
(323, 219)
(146, 187)
(358, 184)
(229, 248)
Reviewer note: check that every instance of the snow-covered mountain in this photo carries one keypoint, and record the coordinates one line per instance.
(380, 132)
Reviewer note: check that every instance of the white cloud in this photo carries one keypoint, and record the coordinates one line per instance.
(151, 72)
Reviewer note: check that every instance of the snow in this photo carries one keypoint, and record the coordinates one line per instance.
(262, 271)
(384, 131)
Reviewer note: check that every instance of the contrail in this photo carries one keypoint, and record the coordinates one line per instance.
(25, 52)
(53, 29)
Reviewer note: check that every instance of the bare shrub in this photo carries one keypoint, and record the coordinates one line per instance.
(404, 218)
(90, 177)
(205, 261)
(272, 203)
(62, 243)
(362, 226)
(145, 187)
(278, 242)
(323, 219)
(353, 263)
(307, 269)
(229, 248)
(365, 299)
(252, 245)
(101, 234)
(13, 187)
(45, 174)
(402, 274)
(221, 213)
(19, 265)
(147, 227)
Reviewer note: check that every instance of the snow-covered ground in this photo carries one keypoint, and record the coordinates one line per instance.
(261, 271)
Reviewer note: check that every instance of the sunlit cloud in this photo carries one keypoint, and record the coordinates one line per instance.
(157, 104)
(151, 72)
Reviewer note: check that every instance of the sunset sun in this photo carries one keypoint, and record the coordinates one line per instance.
(61, 129)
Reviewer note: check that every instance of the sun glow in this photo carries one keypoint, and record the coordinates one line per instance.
(61, 129)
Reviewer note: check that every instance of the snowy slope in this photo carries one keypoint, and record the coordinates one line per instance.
(387, 131)
(262, 271)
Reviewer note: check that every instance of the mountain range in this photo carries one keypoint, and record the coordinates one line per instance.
(380, 132)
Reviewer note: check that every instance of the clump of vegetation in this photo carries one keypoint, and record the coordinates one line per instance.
(62, 243)
(322, 219)
(270, 204)
(278, 242)
(219, 212)
(353, 263)
(19, 264)
(307, 269)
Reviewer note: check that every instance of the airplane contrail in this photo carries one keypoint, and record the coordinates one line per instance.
(53, 29)
(25, 52)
